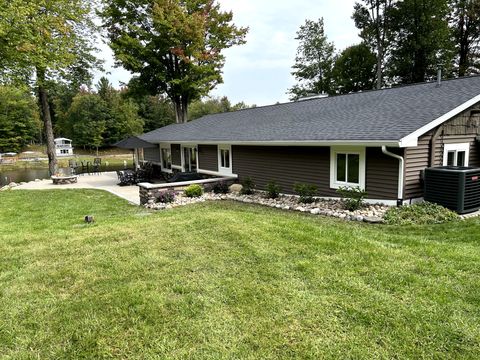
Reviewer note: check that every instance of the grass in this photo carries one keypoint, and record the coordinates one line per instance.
(113, 161)
(227, 280)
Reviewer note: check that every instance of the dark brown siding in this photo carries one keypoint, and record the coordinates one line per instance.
(176, 155)
(285, 165)
(289, 165)
(416, 159)
(152, 154)
(208, 157)
(463, 128)
(381, 174)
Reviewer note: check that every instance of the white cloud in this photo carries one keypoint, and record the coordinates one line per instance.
(259, 71)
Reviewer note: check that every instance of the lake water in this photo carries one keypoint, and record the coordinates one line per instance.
(26, 175)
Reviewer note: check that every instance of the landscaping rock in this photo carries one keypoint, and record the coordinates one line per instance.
(328, 207)
(373, 219)
(235, 188)
(13, 184)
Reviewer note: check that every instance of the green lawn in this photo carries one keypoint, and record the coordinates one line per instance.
(227, 280)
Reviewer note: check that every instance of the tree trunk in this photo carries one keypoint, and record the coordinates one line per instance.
(181, 109)
(47, 122)
(379, 67)
(379, 46)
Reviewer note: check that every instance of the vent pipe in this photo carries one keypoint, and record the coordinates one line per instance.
(439, 74)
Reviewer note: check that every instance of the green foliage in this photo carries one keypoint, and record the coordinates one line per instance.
(194, 190)
(273, 190)
(19, 119)
(373, 18)
(306, 192)
(464, 21)
(45, 40)
(352, 197)
(422, 39)
(421, 214)
(88, 115)
(156, 112)
(174, 46)
(220, 187)
(213, 105)
(276, 283)
(313, 62)
(124, 120)
(248, 186)
(354, 69)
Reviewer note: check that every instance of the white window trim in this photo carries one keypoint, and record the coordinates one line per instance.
(183, 157)
(224, 170)
(168, 147)
(334, 150)
(456, 147)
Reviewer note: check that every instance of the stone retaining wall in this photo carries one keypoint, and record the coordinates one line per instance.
(149, 192)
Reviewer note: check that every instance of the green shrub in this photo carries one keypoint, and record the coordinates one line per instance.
(421, 214)
(194, 190)
(306, 192)
(220, 187)
(352, 197)
(248, 186)
(273, 190)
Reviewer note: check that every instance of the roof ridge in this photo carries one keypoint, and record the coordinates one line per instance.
(340, 95)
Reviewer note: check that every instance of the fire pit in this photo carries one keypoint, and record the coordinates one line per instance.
(64, 179)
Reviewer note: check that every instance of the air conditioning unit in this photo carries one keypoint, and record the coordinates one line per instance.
(454, 187)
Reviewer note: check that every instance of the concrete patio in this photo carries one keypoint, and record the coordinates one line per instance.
(105, 181)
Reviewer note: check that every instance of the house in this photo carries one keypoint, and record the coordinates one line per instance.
(379, 140)
(63, 147)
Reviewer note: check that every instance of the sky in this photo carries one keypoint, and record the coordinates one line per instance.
(259, 72)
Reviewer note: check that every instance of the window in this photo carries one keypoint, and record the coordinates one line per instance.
(347, 167)
(189, 158)
(456, 154)
(166, 158)
(225, 159)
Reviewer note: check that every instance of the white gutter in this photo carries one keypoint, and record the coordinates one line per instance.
(401, 163)
(372, 143)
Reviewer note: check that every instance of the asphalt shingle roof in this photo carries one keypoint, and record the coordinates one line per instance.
(388, 114)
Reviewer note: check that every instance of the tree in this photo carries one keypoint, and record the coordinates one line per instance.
(19, 119)
(421, 40)
(465, 27)
(373, 19)
(105, 89)
(175, 46)
(46, 39)
(88, 115)
(314, 61)
(123, 120)
(213, 105)
(155, 111)
(354, 69)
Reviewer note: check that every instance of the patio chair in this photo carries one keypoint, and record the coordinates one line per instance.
(72, 164)
(97, 162)
(145, 173)
(85, 167)
(126, 177)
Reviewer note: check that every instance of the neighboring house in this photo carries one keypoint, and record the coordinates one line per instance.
(378, 140)
(63, 147)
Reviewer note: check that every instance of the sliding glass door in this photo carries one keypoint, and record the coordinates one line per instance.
(190, 158)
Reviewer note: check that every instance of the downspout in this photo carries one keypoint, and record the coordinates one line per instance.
(401, 163)
(433, 145)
